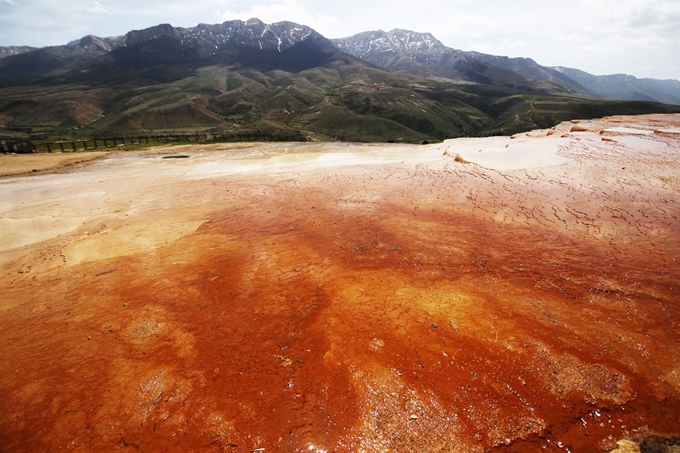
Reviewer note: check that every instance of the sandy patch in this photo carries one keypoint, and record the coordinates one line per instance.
(23, 231)
(127, 240)
(16, 164)
(629, 130)
(504, 153)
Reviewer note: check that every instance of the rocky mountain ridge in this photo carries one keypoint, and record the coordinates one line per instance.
(15, 50)
(254, 33)
(624, 86)
(421, 54)
(413, 44)
(284, 79)
(162, 44)
(398, 50)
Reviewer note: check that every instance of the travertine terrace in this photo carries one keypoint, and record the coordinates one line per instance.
(506, 294)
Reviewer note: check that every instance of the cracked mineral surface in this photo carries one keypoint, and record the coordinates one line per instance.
(508, 294)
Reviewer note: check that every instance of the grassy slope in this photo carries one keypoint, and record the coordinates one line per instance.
(344, 99)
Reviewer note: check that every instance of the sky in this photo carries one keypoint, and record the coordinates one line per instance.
(637, 37)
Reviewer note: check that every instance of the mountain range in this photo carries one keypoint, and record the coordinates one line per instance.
(422, 54)
(247, 75)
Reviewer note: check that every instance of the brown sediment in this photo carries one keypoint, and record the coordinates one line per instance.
(17, 164)
(225, 303)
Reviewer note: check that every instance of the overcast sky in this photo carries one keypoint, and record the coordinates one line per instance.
(638, 37)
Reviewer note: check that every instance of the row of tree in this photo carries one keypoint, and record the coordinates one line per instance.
(115, 142)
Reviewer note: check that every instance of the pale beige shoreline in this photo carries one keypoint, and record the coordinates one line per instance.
(534, 149)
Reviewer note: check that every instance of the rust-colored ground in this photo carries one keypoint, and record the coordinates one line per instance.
(347, 298)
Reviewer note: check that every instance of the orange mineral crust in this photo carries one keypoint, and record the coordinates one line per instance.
(508, 294)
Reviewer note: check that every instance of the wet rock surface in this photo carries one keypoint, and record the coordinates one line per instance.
(333, 297)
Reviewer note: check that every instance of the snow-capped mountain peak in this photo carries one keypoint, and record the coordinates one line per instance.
(410, 43)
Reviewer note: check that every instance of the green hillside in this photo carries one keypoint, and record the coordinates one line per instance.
(341, 99)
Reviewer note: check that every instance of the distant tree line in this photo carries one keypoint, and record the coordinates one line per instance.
(116, 142)
(261, 136)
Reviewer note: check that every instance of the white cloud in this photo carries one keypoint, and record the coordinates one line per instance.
(96, 8)
(291, 10)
